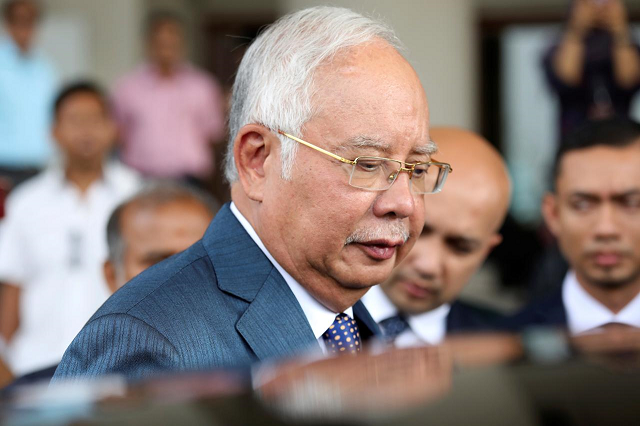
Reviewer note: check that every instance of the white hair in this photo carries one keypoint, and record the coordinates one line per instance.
(274, 83)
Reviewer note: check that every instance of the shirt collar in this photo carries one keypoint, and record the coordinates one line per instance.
(7, 44)
(585, 313)
(430, 327)
(320, 317)
(152, 71)
(378, 304)
(56, 172)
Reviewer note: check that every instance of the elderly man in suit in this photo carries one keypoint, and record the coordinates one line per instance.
(419, 304)
(594, 212)
(329, 160)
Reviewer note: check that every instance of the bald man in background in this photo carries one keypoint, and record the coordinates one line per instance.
(418, 303)
(158, 222)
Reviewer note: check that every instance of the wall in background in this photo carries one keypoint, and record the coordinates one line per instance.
(439, 36)
(111, 33)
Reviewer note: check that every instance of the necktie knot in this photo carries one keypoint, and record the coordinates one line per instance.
(393, 326)
(343, 336)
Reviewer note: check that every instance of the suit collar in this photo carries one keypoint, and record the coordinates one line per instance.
(240, 266)
(551, 311)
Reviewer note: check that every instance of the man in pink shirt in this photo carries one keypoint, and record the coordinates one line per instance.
(169, 112)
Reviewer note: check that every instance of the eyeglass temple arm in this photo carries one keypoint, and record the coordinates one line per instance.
(317, 148)
(438, 163)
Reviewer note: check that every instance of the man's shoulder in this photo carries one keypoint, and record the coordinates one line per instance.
(190, 272)
(131, 80)
(32, 191)
(544, 311)
(466, 317)
(126, 179)
(201, 77)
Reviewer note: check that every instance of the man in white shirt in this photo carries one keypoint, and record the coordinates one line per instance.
(418, 303)
(53, 243)
(594, 212)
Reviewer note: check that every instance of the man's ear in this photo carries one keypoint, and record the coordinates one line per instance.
(55, 133)
(254, 152)
(494, 241)
(550, 212)
(110, 276)
(112, 130)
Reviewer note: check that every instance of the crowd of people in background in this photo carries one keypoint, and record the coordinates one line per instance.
(104, 186)
(69, 155)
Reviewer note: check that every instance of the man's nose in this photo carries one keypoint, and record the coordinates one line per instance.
(606, 226)
(426, 257)
(398, 200)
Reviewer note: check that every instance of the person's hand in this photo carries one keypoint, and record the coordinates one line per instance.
(614, 16)
(583, 17)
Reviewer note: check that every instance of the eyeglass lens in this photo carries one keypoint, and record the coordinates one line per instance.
(379, 174)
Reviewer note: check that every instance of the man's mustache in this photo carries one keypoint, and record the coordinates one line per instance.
(391, 231)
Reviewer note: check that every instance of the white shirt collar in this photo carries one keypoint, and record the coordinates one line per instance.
(320, 317)
(585, 313)
(56, 172)
(429, 327)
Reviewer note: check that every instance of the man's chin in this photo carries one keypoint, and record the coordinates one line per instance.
(366, 279)
(612, 278)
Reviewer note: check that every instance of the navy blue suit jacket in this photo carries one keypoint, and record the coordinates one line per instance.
(467, 318)
(546, 312)
(221, 303)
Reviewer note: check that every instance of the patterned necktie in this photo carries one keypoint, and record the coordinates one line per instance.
(343, 336)
(394, 326)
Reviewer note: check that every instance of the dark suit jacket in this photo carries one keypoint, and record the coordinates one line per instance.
(468, 318)
(221, 303)
(546, 312)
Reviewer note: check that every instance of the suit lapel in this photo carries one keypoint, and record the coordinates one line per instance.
(367, 326)
(552, 311)
(273, 324)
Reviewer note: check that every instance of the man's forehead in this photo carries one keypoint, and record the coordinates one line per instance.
(462, 213)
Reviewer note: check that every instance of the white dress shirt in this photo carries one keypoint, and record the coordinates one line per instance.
(585, 313)
(426, 328)
(320, 317)
(53, 246)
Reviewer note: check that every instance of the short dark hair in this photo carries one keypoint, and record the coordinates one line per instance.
(158, 17)
(76, 88)
(9, 6)
(614, 132)
(154, 195)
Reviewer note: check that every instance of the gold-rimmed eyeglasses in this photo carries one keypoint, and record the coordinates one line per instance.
(379, 173)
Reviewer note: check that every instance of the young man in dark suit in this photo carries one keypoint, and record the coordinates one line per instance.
(419, 303)
(594, 212)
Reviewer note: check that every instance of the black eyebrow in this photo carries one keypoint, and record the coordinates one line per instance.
(472, 243)
(629, 193)
(157, 256)
(588, 196)
(626, 194)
